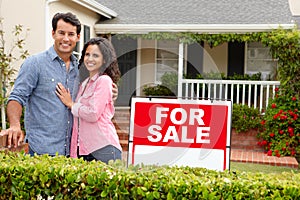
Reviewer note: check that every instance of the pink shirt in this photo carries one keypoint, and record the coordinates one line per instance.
(94, 110)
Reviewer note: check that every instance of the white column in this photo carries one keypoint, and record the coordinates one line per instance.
(180, 69)
(48, 24)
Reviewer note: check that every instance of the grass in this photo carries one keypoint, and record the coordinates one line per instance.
(255, 168)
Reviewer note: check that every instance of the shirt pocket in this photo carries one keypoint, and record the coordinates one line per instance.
(47, 84)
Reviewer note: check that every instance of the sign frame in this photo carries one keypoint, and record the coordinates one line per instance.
(172, 145)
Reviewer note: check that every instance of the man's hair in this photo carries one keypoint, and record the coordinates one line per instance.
(67, 17)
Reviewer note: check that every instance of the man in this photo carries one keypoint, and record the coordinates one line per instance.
(48, 122)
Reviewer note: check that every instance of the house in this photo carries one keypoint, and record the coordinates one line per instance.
(36, 15)
(144, 61)
(153, 58)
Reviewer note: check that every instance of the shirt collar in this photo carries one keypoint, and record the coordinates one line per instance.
(95, 77)
(54, 55)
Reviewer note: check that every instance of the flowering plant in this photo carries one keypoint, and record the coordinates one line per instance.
(280, 131)
(245, 118)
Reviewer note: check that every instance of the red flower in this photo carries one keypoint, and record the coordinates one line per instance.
(294, 99)
(291, 130)
(293, 152)
(269, 153)
(283, 117)
(278, 155)
(272, 134)
(263, 122)
(283, 148)
(259, 143)
(275, 116)
(281, 132)
(276, 89)
(264, 142)
(273, 105)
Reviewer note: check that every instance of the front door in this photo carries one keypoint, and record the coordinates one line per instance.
(236, 58)
(126, 49)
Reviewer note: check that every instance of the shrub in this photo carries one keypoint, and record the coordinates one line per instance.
(168, 86)
(58, 177)
(280, 133)
(245, 118)
(158, 90)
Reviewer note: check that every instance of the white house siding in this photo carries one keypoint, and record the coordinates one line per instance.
(30, 14)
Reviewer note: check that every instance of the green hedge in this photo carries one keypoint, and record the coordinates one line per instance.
(25, 177)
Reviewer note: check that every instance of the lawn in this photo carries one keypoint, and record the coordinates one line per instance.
(250, 167)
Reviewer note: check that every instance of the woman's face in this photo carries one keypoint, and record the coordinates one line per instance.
(93, 59)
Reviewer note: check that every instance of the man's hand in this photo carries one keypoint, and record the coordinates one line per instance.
(15, 136)
(115, 92)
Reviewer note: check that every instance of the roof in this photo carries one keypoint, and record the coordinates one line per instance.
(96, 7)
(195, 15)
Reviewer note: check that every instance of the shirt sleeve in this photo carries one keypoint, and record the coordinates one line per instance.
(102, 95)
(26, 81)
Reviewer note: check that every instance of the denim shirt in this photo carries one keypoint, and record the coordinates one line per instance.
(48, 122)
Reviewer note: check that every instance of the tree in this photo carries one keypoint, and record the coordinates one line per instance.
(9, 55)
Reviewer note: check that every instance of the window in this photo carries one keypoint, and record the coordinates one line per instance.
(86, 37)
(259, 59)
(86, 33)
(76, 51)
(166, 58)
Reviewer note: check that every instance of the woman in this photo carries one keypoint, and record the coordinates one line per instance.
(94, 136)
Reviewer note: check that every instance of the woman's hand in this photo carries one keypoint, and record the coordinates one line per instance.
(64, 95)
(115, 92)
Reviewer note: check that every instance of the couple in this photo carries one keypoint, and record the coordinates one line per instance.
(47, 85)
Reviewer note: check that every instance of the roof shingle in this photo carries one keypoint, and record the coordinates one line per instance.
(199, 11)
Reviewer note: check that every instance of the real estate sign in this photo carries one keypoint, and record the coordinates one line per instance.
(180, 132)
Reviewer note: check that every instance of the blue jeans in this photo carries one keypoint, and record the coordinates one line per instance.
(31, 152)
(104, 154)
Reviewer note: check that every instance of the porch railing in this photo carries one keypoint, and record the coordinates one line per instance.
(251, 93)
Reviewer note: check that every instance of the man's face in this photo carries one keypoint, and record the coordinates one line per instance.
(65, 38)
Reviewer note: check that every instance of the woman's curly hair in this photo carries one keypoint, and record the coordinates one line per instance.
(110, 65)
